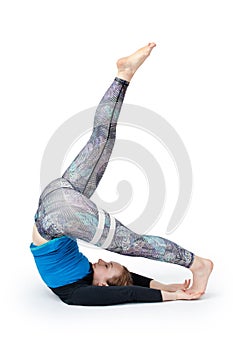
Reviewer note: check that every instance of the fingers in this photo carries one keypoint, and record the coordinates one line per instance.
(187, 283)
(184, 295)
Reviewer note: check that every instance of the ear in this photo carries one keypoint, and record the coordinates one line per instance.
(102, 284)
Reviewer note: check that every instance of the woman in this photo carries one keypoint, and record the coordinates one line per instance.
(66, 213)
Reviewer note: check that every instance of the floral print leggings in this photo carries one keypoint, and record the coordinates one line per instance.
(65, 208)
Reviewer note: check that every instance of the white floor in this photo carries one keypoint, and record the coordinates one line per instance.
(56, 60)
(35, 318)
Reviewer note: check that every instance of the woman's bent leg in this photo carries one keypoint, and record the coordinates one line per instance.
(127, 242)
(66, 211)
(86, 171)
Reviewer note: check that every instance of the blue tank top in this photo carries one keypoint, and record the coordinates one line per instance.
(59, 262)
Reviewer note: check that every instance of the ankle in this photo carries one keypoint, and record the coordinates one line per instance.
(197, 264)
(200, 264)
(125, 74)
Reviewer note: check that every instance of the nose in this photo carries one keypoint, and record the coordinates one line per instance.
(101, 262)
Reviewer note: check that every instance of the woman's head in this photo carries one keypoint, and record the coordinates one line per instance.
(110, 274)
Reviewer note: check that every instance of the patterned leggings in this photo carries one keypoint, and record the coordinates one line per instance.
(65, 208)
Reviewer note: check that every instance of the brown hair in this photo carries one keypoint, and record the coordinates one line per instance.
(125, 279)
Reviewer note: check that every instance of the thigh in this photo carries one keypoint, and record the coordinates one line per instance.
(65, 211)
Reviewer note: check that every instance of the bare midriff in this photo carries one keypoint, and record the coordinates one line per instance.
(37, 239)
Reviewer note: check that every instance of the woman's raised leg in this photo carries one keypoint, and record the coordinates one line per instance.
(87, 169)
(64, 205)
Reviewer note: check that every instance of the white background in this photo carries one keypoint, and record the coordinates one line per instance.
(57, 58)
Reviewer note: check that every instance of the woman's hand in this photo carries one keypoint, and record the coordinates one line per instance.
(185, 295)
(180, 295)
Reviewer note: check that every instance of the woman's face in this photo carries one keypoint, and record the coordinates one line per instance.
(103, 271)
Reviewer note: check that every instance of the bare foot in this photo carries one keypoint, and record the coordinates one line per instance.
(201, 269)
(127, 66)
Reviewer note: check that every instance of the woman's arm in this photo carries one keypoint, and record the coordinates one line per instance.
(100, 296)
(139, 280)
(112, 295)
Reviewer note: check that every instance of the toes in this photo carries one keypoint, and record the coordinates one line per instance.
(152, 44)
